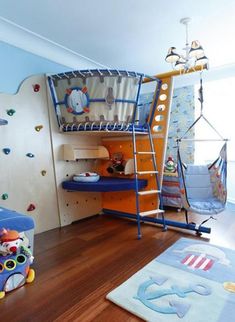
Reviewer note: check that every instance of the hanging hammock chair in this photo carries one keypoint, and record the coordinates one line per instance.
(203, 187)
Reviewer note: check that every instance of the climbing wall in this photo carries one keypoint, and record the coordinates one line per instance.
(125, 201)
(72, 205)
(27, 182)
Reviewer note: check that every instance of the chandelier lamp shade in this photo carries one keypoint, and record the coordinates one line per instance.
(194, 55)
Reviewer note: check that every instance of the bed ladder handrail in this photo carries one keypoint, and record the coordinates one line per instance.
(137, 173)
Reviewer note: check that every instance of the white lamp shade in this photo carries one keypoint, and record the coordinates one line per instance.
(201, 61)
(196, 49)
(180, 64)
(172, 56)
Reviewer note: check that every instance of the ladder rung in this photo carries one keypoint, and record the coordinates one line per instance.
(148, 192)
(146, 172)
(142, 152)
(151, 212)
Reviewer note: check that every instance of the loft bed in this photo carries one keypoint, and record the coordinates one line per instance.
(101, 100)
(108, 102)
(105, 184)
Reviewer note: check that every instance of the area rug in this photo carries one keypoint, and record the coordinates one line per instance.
(231, 206)
(192, 281)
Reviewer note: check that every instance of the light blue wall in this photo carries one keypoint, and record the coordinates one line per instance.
(17, 64)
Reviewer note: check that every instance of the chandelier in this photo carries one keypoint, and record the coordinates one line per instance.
(194, 56)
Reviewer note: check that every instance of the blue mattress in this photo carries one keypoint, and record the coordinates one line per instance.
(10, 219)
(105, 184)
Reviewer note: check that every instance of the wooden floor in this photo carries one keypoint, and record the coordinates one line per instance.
(76, 267)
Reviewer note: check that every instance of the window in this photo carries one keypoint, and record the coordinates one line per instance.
(219, 107)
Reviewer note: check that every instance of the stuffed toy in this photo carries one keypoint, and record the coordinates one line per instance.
(117, 163)
(9, 242)
(170, 165)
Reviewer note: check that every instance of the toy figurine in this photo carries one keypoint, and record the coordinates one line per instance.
(117, 163)
(170, 165)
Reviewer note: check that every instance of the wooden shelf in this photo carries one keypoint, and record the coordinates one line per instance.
(76, 152)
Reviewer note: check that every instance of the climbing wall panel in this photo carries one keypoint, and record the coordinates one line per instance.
(26, 164)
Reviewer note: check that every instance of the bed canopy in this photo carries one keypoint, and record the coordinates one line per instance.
(98, 100)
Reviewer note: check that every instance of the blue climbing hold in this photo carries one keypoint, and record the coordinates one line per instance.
(30, 155)
(6, 150)
(3, 122)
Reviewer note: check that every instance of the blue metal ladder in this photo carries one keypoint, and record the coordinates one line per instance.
(141, 194)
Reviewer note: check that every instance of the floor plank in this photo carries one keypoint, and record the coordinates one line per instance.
(76, 266)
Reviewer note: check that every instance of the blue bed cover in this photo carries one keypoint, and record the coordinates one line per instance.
(10, 219)
(105, 184)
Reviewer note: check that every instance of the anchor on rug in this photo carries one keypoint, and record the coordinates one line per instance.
(175, 307)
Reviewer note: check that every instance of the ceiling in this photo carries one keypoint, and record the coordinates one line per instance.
(129, 34)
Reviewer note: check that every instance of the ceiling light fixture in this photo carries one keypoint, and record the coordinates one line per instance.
(194, 55)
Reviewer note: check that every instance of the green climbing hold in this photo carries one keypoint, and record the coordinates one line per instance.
(11, 112)
(43, 173)
(4, 196)
(38, 128)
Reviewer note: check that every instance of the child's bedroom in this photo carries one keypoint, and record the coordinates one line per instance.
(117, 161)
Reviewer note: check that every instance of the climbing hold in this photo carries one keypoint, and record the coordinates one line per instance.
(4, 196)
(30, 155)
(36, 87)
(11, 112)
(43, 172)
(6, 150)
(3, 122)
(31, 207)
(38, 127)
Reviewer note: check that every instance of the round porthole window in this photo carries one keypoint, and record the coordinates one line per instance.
(161, 107)
(159, 118)
(164, 86)
(163, 97)
(157, 128)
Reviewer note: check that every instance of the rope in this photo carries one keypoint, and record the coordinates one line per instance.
(200, 92)
(201, 100)
(204, 221)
